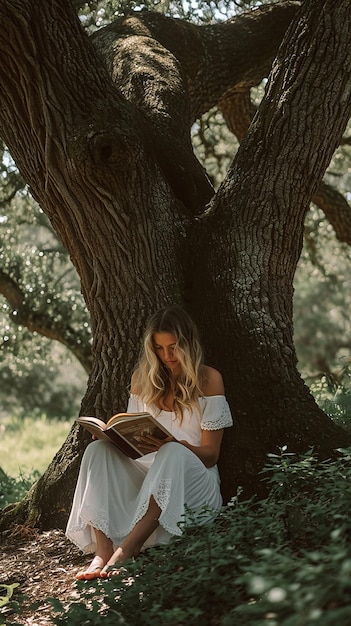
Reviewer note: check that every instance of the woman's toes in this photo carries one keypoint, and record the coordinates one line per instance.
(89, 574)
(112, 570)
(92, 571)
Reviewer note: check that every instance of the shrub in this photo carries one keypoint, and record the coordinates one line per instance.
(283, 561)
(12, 489)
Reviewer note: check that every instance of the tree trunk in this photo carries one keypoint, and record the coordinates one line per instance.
(98, 156)
(257, 223)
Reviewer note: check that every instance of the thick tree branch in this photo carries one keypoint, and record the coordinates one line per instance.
(84, 151)
(43, 323)
(336, 209)
(11, 291)
(213, 58)
(239, 52)
(238, 111)
(174, 71)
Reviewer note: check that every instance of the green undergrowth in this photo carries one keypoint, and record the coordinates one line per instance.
(14, 489)
(333, 395)
(283, 561)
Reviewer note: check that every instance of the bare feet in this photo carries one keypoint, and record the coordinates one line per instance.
(93, 570)
(112, 570)
(112, 567)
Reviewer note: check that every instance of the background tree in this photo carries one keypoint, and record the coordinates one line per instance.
(39, 287)
(112, 167)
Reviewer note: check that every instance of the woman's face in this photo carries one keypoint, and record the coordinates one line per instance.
(164, 346)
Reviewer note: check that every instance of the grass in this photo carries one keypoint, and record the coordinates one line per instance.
(28, 444)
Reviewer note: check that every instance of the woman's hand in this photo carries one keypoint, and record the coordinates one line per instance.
(148, 443)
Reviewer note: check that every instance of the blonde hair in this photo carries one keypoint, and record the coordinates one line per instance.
(152, 378)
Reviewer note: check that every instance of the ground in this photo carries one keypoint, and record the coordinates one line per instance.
(44, 565)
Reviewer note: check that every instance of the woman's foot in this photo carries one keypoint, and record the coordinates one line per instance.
(113, 566)
(112, 570)
(93, 570)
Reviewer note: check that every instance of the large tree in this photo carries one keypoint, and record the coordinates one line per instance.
(100, 130)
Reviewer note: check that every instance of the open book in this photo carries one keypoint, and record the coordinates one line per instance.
(125, 430)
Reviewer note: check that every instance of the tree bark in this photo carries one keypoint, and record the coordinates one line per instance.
(93, 150)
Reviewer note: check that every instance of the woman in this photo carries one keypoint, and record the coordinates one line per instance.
(123, 505)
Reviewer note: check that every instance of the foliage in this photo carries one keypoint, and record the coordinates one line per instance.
(40, 389)
(322, 300)
(282, 561)
(333, 394)
(214, 145)
(9, 592)
(35, 259)
(8, 604)
(46, 297)
(14, 489)
(98, 13)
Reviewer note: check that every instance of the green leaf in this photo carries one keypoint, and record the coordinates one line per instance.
(9, 592)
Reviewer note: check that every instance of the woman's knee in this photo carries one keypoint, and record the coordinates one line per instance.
(173, 449)
(96, 448)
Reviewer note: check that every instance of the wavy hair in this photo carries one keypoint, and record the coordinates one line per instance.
(153, 379)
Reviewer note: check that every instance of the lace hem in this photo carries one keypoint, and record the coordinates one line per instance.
(80, 532)
(216, 415)
(224, 420)
(91, 517)
(161, 492)
(217, 425)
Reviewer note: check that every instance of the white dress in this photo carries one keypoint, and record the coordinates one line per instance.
(113, 492)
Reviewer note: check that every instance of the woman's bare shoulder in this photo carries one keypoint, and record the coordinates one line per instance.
(212, 382)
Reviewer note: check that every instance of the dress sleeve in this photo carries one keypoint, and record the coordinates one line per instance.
(216, 413)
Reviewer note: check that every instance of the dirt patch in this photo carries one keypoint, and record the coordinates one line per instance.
(44, 565)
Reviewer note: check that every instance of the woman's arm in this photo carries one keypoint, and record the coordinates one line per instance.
(208, 451)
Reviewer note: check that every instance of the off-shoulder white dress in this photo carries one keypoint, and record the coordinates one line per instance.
(113, 492)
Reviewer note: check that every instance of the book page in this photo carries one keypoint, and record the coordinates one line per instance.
(94, 426)
(84, 420)
(122, 416)
(134, 429)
